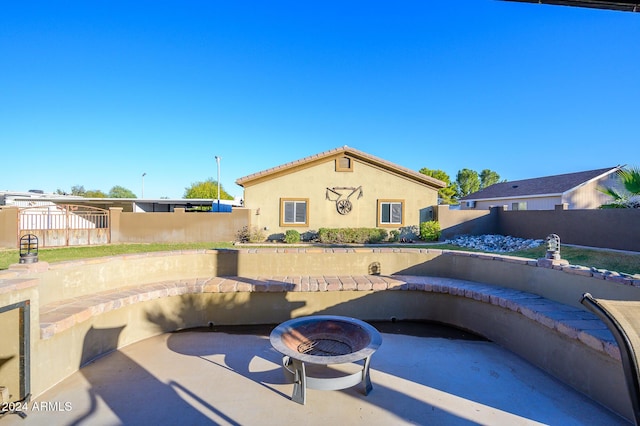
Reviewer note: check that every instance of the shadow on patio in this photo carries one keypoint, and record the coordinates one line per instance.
(232, 375)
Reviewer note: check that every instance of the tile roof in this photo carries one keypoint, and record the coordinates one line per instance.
(548, 185)
(352, 152)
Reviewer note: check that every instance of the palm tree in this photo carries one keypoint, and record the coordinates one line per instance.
(629, 197)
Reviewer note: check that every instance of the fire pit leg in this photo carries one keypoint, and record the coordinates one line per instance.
(366, 378)
(299, 382)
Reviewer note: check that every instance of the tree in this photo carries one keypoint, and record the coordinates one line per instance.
(468, 182)
(121, 192)
(447, 194)
(94, 193)
(115, 192)
(488, 178)
(78, 190)
(629, 195)
(206, 189)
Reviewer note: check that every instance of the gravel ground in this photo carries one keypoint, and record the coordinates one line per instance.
(494, 243)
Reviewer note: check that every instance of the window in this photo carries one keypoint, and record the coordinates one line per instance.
(390, 212)
(522, 205)
(294, 212)
(344, 164)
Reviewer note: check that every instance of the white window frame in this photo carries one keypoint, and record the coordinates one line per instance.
(382, 206)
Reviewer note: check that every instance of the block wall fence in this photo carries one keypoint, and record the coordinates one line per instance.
(617, 229)
(608, 228)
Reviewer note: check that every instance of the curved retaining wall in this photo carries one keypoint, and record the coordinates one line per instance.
(83, 309)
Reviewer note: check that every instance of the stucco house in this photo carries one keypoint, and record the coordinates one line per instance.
(578, 190)
(339, 188)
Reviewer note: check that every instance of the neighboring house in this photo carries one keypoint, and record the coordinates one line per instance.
(32, 198)
(577, 190)
(339, 188)
(138, 205)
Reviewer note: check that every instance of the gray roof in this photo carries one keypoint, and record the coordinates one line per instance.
(548, 185)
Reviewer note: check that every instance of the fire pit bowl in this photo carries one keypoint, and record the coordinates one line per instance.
(325, 340)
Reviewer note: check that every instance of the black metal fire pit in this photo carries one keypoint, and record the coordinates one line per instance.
(325, 340)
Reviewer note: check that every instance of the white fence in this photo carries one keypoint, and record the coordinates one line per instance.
(65, 224)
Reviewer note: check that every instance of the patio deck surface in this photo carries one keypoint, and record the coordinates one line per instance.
(424, 374)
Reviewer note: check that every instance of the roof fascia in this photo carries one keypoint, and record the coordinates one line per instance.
(285, 169)
(291, 167)
(400, 171)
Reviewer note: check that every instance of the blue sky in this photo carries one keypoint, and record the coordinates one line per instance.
(95, 93)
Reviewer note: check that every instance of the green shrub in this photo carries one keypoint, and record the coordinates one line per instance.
(394, 235)
(377, 235)
(430, 231)
(351, 235)
(291, 236)
(250, 235)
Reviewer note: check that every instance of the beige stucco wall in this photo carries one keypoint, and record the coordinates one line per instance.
(128, 227)
(17, 291)
(66, 280)
(9, 227)
(177, 226)
(74, 279)
(311, 182)
(54, 358)
(10, 352)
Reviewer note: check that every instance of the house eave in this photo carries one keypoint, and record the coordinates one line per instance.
(312, 160)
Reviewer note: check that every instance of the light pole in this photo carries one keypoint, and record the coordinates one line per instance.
(218, 163)
(143, 175)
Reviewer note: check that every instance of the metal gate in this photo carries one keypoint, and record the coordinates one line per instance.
(65, 225)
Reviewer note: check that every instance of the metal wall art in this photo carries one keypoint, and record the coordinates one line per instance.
(339, 195)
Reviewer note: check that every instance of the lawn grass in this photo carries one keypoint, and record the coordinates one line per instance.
(59, 254)
(601, 259)
(611, 260)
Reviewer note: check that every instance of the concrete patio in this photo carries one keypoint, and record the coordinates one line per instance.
(422, 374)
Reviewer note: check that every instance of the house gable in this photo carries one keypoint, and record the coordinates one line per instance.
(337, 156)
(341, 188)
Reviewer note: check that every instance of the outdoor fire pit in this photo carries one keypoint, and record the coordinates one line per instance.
(325, 340)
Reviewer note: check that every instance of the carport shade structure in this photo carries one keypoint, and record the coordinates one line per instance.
(621, 5)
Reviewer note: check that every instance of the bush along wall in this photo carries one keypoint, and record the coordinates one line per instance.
(351, 235)
(291, 236)
(430, 231)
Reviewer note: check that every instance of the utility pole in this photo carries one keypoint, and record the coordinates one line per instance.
(218, 163)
